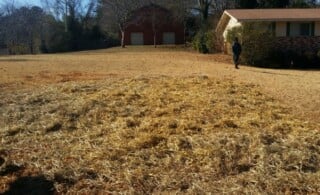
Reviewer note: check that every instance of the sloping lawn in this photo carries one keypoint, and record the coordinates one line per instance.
(117, 126)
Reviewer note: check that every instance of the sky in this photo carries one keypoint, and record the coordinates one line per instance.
(38, 2)
(27, 2)
(31, 2)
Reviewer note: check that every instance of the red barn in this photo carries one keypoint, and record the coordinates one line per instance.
(154, 25)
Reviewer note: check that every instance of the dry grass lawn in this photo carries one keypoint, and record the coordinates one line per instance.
(144, 120)
(299, 89)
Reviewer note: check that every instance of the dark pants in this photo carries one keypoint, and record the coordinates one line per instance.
(236, 60)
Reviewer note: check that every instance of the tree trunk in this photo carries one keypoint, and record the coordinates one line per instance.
(31, 46)
(155, 39)
(184, 34)
(66, 18)
(122, 39)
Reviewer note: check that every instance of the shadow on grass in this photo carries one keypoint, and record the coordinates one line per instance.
(273, 73)
(16, 60)
(294, 68)
(137, 48)
(10, 169)
(31, 185)
(266, 70)
(307, 68)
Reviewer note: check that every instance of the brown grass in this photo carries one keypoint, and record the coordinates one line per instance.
(297, 89)
(140, 132)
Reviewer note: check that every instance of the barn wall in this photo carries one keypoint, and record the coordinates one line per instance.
(146, 29)
(141, 24)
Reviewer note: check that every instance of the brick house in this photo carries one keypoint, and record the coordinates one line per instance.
(294, 29)
(153, 25)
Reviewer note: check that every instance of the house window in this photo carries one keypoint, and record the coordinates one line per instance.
(300, 29)
(305, 29)
(272, 28)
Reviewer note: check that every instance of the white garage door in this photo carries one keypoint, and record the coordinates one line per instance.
(169, 38)
(137, 38)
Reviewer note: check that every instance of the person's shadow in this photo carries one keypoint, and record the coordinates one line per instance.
(37, 185)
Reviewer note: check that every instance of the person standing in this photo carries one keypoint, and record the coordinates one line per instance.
(236, 49)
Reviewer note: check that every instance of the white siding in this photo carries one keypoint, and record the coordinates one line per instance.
(232, 23)
(281, 29)
(317, 29)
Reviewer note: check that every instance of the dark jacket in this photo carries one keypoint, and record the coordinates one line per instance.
(236, 48)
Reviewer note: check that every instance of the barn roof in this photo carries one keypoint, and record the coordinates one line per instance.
(243, 15)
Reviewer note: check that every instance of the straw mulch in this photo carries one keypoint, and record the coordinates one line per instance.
(156, 134)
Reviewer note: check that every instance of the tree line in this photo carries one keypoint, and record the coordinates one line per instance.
(56, 26)
(72, 25)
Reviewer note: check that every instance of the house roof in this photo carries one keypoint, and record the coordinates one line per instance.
(243, 15)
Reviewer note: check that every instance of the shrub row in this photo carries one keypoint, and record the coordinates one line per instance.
(260, 49)
(206, 41)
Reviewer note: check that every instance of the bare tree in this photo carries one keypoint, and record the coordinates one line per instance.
(8, 7)
(120, 12)
(161, 12)
(157, 17)
(20, 29)
(62, 9)
(220, 5)
(70, 10)
(204, 8)
(182, 10)
(90, 13)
